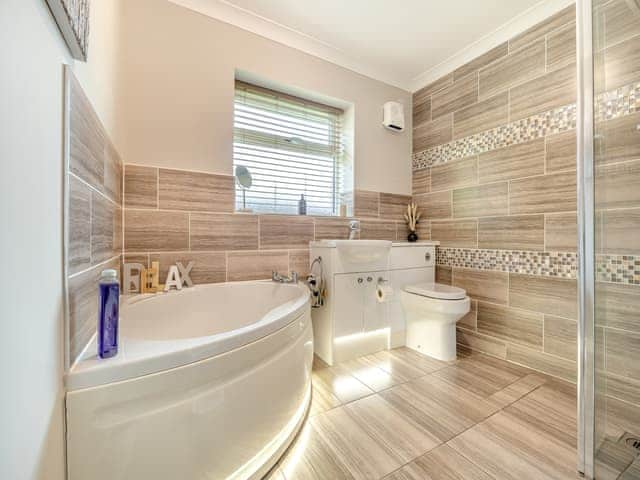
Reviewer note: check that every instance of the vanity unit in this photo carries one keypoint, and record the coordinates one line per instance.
(353, 322)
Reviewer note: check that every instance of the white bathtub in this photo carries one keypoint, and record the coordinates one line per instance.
(211, 382)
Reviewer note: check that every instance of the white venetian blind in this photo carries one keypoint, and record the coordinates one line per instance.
(291, 146)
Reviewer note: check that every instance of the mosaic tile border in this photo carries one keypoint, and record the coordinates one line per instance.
(623, 269)
(554, 121)
(618, 103)
(618, 269)
(609, 105)
(550, 264)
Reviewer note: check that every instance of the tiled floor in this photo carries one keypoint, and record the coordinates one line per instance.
(399, 415)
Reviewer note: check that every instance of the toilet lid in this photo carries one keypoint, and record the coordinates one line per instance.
(436, 290)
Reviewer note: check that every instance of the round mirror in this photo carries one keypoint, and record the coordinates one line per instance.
(243, 176)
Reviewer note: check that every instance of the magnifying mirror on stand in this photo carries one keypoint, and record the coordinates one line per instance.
(243, 177)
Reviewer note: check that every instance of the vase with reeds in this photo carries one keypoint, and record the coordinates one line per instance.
(412, 217)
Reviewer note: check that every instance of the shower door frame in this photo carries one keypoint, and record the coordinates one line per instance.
(586, 238)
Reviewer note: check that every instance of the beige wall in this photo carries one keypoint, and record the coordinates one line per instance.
(31, 306)
(178, 74)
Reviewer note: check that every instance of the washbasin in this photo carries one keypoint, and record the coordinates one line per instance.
(360, 251)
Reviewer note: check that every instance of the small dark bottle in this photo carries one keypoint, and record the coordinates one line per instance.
(108, 315)
(302, 206)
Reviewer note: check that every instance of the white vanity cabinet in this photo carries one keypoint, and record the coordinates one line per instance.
(356, 308)
(352, 322)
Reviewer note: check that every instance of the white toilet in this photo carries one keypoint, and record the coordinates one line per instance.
(431, 311)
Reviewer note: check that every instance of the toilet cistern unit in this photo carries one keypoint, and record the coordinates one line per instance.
(363, 312)
(432, 311)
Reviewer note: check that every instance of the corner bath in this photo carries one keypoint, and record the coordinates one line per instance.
(211, 382)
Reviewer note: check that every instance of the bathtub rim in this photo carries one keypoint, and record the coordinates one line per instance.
(138, 358)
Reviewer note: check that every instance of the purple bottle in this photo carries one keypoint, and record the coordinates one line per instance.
(108, 314)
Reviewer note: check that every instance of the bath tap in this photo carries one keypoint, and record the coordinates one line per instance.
(354, 227)
(276, 277)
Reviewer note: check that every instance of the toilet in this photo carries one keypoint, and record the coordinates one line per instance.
(431, 311)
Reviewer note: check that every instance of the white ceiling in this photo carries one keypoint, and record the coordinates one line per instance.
(407, 43)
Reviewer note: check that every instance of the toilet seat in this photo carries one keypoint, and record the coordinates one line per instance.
(436, 291)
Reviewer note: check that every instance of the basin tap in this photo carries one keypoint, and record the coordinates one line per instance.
(276, 277)
(354, 228)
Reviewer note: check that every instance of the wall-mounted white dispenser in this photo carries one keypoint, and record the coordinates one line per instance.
(393, 116)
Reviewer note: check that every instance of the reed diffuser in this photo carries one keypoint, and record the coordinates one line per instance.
(412, 217)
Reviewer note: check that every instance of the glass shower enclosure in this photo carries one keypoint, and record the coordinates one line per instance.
(608, 130)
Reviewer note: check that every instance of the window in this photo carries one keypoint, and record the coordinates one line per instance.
(292, 147)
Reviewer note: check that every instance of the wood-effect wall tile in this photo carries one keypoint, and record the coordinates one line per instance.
(195, 191)
(556, 366)
(482, 116)
(299, 262)
(208, 267)
(620, 23)
(481, 61)
(622, 350)
(620, 232)
(617, 306)
(470, 320)
(366, 204)
(456, 233)
(561, 232)
(433, 133)
(481, 201)
(255, 265)
(560, 337)
(113, 171)
(155, 231)
(561, 47)
(104, 232)
(423, 230)
(561, 152)
(624, 388)
(544, 93)
(220, 231)
(421, 181)
(483, 285)
(517, 67)
(550, 295)
(332, 228)
(616, 186)
(481, 343)
(286, 231)
(461, 93)
(92, 157)
(543, 194)
(515, 232)
(515, 161)
(510, 324)
(434, 205)
(378, 230)
(79, 226)
(618, 139)
(444, 274)
(541, 29)
(140, 187)
(454, 174)
(87, 140)
(433, 87)
(421, 111)
(622, 63)
(393, 205)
